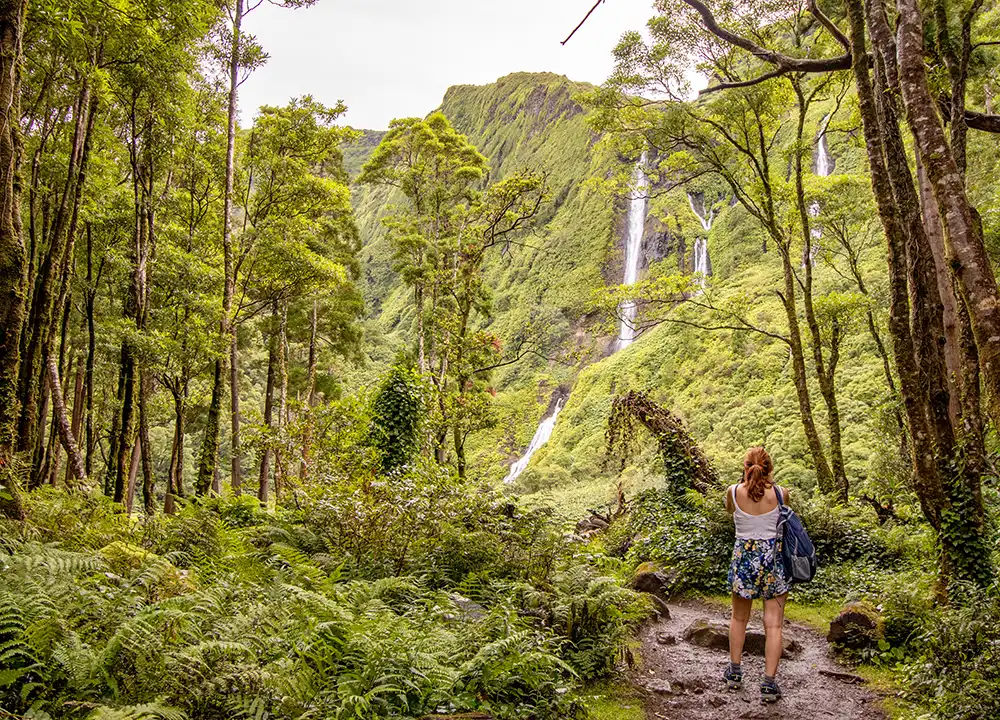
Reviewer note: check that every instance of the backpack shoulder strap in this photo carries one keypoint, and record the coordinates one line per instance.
(777, 493)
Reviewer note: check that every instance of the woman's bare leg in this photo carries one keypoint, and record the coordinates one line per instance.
(774, 617)
(738, 627)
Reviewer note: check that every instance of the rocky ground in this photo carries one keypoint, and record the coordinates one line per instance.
(683, 659)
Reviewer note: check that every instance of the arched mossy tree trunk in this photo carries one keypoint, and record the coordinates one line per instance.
(684, 462)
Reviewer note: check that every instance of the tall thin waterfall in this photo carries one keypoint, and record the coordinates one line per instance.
(706, 220)
(701, 243)
(633, 251)
(823, 168)
(701, 257)
(542, 435)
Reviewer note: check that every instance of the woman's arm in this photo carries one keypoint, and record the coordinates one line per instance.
(730, 507)
(785, 496)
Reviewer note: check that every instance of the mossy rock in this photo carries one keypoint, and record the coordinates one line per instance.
(859, 625)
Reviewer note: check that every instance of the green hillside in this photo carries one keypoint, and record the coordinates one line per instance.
(733, 390)
(542, 288)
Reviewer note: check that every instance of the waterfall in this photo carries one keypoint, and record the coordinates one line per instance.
(542, 435)
(823, 168)
(701, 243)
(633, 251)
(701, 257)
(706, 220)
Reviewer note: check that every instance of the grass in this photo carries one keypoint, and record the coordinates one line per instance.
(614, 701)
(816, 616)
(886, 681)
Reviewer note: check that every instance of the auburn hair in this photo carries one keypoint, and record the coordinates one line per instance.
(757, 469)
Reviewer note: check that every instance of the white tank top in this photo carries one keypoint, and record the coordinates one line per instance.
(754, 527)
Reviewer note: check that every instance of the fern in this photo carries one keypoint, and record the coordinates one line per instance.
(149, 711)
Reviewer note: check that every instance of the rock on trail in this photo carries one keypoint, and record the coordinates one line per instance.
(681, 678)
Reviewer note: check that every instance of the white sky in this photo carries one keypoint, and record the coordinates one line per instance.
(396, 58)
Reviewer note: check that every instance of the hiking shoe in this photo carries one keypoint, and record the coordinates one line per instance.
(733, 678)
(769, 692)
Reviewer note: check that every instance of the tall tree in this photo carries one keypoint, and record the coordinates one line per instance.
(244, 55)
(13, 260)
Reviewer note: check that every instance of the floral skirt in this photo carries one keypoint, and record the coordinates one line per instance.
(757, 570)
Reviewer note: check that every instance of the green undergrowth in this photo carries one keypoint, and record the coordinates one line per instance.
(455, 600)
(814, 615)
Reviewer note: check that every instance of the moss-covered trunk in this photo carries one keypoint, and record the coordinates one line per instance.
(13, 258)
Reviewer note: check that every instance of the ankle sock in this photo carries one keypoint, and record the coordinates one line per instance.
(769, 680)
(735, 667)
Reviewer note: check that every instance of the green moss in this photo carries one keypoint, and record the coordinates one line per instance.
(613, 701)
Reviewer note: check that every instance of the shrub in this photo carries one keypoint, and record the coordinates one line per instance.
(957, 672)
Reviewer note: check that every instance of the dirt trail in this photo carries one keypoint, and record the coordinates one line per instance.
(682, 681)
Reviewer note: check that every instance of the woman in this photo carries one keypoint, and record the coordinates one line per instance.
(756, 570)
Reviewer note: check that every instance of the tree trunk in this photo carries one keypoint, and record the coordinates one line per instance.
(77, 418)
(228, 324)
(210, 444)
(279, 453)
(133, 474)
(418, 291)
(89, 301)
(175, 477)
(824, 477)
(53, 456)
(63, 425)
(236, 479)
(970, 260)
(50, 293)
(272, 361)
(13, 259)
(122, 425)
(148, 496)
(825, 375)
(307, 439)
(918, 354)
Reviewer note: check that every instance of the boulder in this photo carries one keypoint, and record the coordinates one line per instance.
(650, 578)
(659, 686)
(468, 610)
(666, 638)
(661, 611)
(858, 626)
(656, 583)
(715, 636)
(591, 524)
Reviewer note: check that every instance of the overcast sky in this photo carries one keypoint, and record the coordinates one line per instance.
(396, 58)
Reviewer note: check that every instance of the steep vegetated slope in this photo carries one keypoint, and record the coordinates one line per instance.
(541, 285)
(733, 387)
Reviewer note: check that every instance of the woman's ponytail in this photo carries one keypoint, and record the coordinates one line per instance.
(757, 472)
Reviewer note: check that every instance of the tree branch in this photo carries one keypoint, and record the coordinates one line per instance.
(585, 17)
(783, 63)
(982, 121)
(830, 26)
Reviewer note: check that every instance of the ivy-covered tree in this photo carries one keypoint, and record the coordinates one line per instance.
(398, 408)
